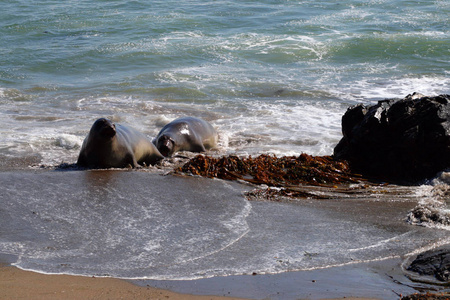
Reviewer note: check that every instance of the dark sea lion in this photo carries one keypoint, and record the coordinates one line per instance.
(110, 145)
(186, 134)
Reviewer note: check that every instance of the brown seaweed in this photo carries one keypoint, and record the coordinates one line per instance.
(284, 172)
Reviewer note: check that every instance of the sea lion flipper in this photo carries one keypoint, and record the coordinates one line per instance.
(130, 160)
(151, 159)
(197, 148)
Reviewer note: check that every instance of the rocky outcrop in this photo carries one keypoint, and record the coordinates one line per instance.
(404, 140)
(435, 263)
(427, 296)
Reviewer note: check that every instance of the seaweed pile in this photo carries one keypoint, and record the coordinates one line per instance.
(285, 172)
(271, 170)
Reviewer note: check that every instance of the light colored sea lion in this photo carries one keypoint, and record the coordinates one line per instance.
(186, 134)
(110, 145)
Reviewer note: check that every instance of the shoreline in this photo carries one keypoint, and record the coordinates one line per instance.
(16, 283)
(324, 284)
(381, 280)
(376, 280)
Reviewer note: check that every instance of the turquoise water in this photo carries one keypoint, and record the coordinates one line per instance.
(272, 76)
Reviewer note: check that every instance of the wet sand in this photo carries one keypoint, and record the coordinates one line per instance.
(383, 280)
(373, 279)
(327, 284)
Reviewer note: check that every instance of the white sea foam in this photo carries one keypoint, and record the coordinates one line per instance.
(433, 209)
(287, 128)
(68, 141)
(377, 89)
(251, 126)
(382, 243)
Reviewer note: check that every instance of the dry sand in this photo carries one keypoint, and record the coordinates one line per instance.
(19, 284)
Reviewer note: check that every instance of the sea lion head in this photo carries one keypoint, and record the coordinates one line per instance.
(104, 128)
(165, 145)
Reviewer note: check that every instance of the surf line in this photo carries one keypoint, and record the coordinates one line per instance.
(244, 214)
(381, 243)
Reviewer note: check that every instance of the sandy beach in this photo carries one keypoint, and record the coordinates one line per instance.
(19, 284)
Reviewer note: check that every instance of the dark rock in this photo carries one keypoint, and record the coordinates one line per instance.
(427, 296)
(406, 140)
(434, 263)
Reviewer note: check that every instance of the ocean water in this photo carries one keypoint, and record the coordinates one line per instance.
(272, 76)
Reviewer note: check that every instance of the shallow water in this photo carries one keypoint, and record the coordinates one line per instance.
(137, 224)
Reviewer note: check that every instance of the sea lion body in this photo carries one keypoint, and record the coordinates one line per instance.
(110, 145)
(186, 134)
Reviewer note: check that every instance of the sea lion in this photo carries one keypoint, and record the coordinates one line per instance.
(110, 145)
(186, 134)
